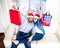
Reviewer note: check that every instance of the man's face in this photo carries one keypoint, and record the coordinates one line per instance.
(30, 19)
(35, 20)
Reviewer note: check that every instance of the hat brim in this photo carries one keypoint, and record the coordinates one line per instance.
(30, 17)
(36, 17)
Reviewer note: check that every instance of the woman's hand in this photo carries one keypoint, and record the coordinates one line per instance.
(29, 39)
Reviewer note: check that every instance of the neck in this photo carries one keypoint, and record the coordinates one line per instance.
(29, 21)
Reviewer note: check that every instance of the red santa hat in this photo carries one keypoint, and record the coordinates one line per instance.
(30, 15)
(37, 16)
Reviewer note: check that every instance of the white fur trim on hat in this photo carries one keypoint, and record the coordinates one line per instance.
(36, 17)
(30, 16)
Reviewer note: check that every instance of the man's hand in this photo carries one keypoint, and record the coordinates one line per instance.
(15, 41)
(14, 37)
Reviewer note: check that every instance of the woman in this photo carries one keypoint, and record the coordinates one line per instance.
(40, 32)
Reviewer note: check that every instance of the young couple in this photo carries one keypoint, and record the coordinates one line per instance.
(28, 31)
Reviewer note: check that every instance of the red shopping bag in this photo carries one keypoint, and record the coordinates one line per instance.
(46, 20)
(15, 17)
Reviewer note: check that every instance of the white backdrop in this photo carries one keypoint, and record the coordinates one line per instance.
(4, 15)
(53, 5)
(1, 20)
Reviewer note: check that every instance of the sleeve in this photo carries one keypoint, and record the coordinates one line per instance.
(34, 29)
(23, 19)
(40, 26)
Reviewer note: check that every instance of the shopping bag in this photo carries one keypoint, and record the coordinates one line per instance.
(46, 20)
(15, 17)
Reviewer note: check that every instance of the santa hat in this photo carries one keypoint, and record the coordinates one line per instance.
(37, 16)
(30, 15)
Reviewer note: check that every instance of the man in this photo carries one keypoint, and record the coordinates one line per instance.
(25, 33)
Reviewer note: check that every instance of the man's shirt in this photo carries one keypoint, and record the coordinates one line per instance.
(26, 26)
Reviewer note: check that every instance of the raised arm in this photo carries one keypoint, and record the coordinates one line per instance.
(24, 15)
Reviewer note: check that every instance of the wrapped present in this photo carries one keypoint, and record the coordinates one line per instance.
(15, 17)
(46, 20)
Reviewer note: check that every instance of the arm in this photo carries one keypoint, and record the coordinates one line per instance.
(40, 26)
(24, 15)
(30, 38)
(32, 35)
(23, 18)
(15, 32)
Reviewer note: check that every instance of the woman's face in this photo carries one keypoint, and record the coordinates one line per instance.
(35, 19)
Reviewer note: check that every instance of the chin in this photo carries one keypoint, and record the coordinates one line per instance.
(35, 21)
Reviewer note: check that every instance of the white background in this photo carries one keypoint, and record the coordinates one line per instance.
(52, 5)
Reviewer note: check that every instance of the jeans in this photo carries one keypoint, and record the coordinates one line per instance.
(23, 39)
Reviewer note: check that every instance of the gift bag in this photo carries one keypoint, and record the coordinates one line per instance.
(46, 20)
(15, 17)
